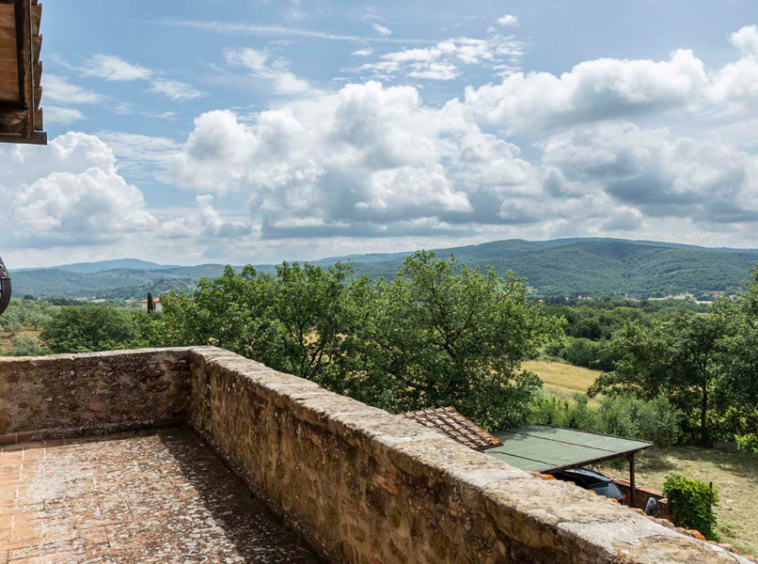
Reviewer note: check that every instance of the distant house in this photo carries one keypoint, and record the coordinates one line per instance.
(156, 301)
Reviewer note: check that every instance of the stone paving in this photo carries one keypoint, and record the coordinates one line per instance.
(159, 496)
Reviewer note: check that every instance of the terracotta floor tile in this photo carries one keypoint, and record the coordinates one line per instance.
(153, 497)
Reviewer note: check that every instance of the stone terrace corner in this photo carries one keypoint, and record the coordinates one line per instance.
(353, 482)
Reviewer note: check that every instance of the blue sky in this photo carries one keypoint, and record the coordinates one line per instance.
(256, 131)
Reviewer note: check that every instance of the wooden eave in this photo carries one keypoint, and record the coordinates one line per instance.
(21, 72)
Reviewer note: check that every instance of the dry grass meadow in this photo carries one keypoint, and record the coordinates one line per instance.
(560, 379)
(735, 475)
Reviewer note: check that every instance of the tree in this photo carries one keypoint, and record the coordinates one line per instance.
(677, 358)
(442, 334)
(89, 328)
(231, 312)
(150, 303)
(437, 334)
(312, 317)
(737, 394)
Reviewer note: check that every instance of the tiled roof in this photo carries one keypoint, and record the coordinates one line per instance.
(454, 425)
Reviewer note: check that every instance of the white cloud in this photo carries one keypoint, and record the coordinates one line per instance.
(735, 86)
(508, 20)
(72, 196)
(62, 116)
(205, 222)
(116, 69)
(442, 61)
(59, 89)
(608, 89)
(380, 29)
(143, 158)
(112, 68)
(260, 65)
(175, 90)
(592, 91)
(655, 172)
(367, 160)
(242, 28)
(365, 52)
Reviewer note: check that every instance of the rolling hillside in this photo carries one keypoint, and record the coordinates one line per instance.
(553, 268)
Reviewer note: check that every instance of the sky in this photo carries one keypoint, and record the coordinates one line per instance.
(196, 131)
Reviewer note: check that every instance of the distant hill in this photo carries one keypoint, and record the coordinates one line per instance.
(560, 267)
(102, 266)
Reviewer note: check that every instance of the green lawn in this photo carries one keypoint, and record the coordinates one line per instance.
(734, 475)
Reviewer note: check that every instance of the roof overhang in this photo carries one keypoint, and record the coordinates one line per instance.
(542, 448)
(21, 72)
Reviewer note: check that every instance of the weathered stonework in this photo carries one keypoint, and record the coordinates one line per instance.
(362, 486)
(65, 395)
(366, 487)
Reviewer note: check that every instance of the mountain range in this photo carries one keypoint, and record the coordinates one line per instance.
(562, 267)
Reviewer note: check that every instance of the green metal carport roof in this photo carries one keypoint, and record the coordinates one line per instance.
(542, 448)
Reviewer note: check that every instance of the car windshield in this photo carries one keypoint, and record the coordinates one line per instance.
(608, 489)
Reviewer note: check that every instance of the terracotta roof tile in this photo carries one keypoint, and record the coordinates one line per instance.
(448, 421)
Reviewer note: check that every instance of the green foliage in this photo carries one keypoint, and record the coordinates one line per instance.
(678, 358)
(150, 329)
(437, 334)
(150, 303)
(27, 345)
(737, 393)
(89, 328)
(554, 268)
(655, 420)
(441, 334)
(598, 319)
(587, 353)
(748, 442)
(691, 504)
(25, 315)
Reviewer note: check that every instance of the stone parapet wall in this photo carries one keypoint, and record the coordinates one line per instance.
(361, 485)
(66, 395)
(366, 487)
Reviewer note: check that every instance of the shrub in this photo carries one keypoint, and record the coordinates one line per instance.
(26, 345)
(659, 421)
(618, 416)
(656, 420)
(748, 443)
(89, 328)
(556, 349)
(691, 504)
(596, 355)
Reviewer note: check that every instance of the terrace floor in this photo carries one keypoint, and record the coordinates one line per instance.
(158, 496)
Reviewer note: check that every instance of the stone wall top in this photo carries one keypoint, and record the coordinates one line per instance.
(361, 484)
(370, 487)
(70, 393)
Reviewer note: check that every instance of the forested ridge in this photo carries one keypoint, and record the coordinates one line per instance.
(566, 267)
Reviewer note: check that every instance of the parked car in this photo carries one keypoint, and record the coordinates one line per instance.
(591, 480)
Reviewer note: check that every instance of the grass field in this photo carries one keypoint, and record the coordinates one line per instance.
(734, 475)
(6, 346)
(562, 380)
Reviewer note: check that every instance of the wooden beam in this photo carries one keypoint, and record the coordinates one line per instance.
(36, 18)
(21, 117)
(25, 78)
(632, 485)
(13, 122)
(36, 47)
